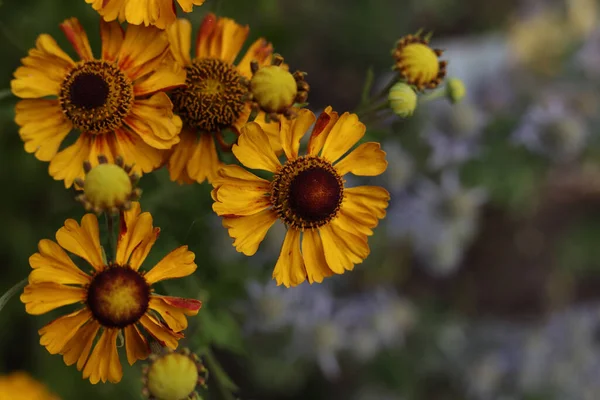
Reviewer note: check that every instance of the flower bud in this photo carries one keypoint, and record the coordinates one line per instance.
(455, 90)
(403, 99)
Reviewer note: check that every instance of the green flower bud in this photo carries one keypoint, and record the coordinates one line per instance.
(403, 99)
(455, 90)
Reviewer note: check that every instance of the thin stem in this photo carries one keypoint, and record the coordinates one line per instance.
(216, 372)
(372, 109)
(110, 248)
(11, 292)
(436, 94)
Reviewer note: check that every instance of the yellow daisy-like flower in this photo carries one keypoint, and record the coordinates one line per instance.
(327, 223)
(161, 13)
(418, 63)
(116, 103)
(216, 95)
(21, 386)
(116, 298)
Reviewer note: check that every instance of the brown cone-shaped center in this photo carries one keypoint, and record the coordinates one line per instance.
(96, 96)
(307, 192)
(213, 98)
(118, 296)
(89, 91)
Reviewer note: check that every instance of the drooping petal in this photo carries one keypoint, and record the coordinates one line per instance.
(180, 38)
(112, 35)
(232, 200)
(166, 77)
(260, 51)
(57, 333)
(356, 221)
(253, 149)
(43, 126)
(142, 51)
(160, 331)
(204, 162)
(291, 131)
(327, 120)
(83, 240)
(249, 231)
(372, 200)
(181, 154)
(290, 269)
(343, 249)
(154, 121)
(104, 363)
(134, 150)
(236, 175)
(366, 160)
(178, 263)
(174, 310)
(39, 298)
(345, 133)
(314, 257)
(77, 37)
(77, 349)
(67, 165)
(220, 38)
(52, 264)
(43, 70)
(336, 258)
(136, 346)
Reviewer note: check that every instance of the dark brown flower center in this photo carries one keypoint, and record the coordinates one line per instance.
(307, 192)
(118, 296)
(96, 96)
(213, 98)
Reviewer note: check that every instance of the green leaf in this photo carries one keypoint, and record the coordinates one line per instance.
(366, 91)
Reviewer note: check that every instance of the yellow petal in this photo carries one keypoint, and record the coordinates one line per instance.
(178, 263)
(180, 37)
(153, 120)
(160, 331)
(174, 310)
(236, 175)
(52, 264)
(357, 222)
(366, 160)
(204, 162)
(166, 77)
(253, 149)
(83, 240)
(220, 38)
(43, 70)
(134, 150)
(338, 259)
(179, 156)
(291, 132)
(39, 298)
(142, 51)
(43, 126)
(135, 344)
(57, 333)
(249, 231)
(371, 200)
(260, 51)
(104, 362)
(77, 349)
(112, 39)
(345, 133)
(77, 37)
(327, 120)
(314, 257)
(290, 270)
(249, 198)
(136, 240)
(271, 129)
(67, 165)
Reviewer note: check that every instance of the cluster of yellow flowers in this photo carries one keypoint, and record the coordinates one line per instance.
(151, 101)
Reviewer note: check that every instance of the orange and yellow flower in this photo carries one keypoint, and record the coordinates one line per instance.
(327, 223)
(116, 103)
(161, 13)
(21, 386)
(116, 299)
(215, 97)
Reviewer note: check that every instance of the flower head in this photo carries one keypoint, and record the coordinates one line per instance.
(108, 187)
(215, 98)
(116, 299)
(403, 99)
(307, 193)
(21, 386)
(174, 376)
(116, 103)
(419, 64)
(159, 12)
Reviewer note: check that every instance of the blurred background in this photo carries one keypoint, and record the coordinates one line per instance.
(484, 279)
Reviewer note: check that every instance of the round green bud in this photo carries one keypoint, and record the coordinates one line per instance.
(403, 99)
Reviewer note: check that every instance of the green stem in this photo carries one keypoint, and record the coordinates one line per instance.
(110, 231)
(436, 94)
(216, 372)
(11, 292)
(372, 109)
(5, 94)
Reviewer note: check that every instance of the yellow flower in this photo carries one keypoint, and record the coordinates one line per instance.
(20, 386)
(116, 298)
(156, 12)
(215, 98)
(418, 63)
(116, 103)
(307, 193)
